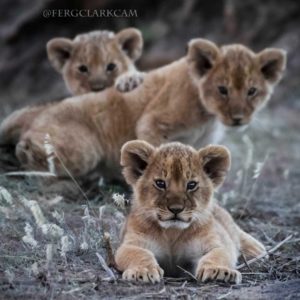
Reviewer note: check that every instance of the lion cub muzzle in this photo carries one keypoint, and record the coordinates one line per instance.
(97, 85)
(173, 215)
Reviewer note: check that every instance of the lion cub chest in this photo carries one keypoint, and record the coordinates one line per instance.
(173, 255)
(210, 132)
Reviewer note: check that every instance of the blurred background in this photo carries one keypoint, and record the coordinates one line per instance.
(27, 77)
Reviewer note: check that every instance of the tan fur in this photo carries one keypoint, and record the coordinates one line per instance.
(94, 52)
(178, 102)
(179, 224)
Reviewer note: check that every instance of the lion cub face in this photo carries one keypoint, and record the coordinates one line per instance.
(173, 184)
(233, 81)
(91, 62)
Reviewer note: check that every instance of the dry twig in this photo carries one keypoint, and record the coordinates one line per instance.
(272, 250)
(110, 255)
(187, 272)
(105, 267)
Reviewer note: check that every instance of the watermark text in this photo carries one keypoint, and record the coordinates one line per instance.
(90, 13)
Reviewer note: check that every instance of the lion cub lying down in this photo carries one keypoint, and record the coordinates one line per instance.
(175, 220)
(91, 62)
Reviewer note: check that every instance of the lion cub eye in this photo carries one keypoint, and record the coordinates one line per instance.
(191, 185)
(83, 69)
(110, 67)
(223, 90)
(160, 184)
(252, 91)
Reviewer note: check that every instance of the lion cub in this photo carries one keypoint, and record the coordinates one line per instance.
(96, 60)
(91, 62)
(175, 221)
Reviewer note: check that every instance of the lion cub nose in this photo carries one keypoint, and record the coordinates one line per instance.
(237, 121)
(176, 209)
(97, 87)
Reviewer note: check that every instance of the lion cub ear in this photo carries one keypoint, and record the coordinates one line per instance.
(215, 162)
(272, 63)
(131, 42)
(59, 51)
(201, 56)
(134, 159)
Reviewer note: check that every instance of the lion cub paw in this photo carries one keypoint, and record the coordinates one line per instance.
(150, 274)
(251, 247)
(210, 272)
(257, 249)
(129, 81)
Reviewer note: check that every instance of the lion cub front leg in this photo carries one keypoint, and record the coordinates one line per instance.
(138, 264)
(218, 264)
